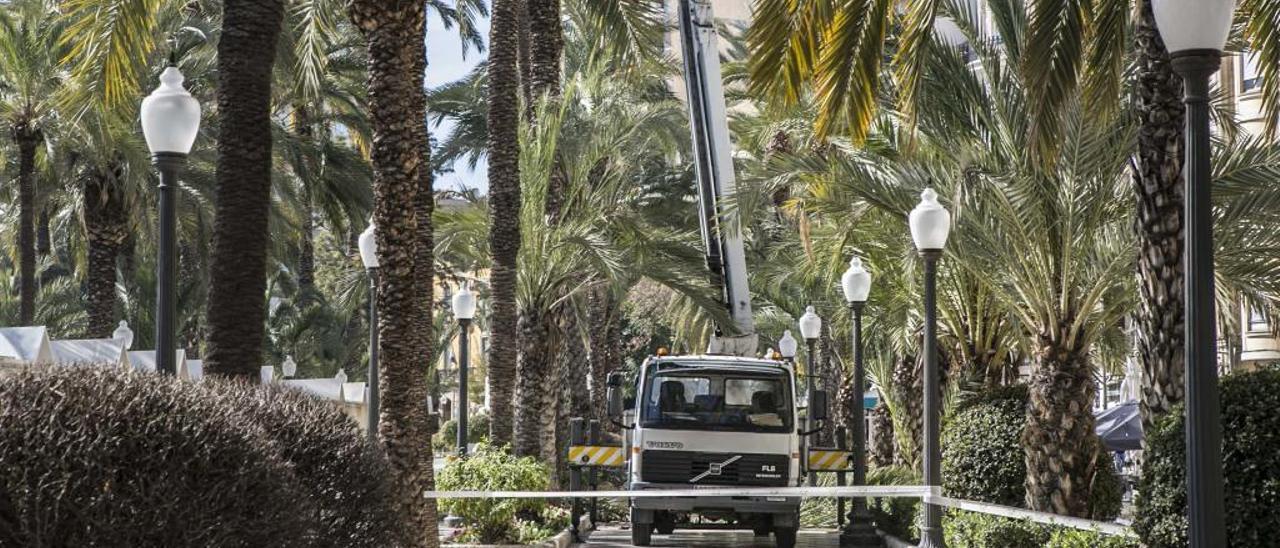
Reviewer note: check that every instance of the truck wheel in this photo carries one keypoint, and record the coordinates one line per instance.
(664, 524)
(784, 537)
(642, 534)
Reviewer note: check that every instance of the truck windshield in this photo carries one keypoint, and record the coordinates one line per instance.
(701, 400)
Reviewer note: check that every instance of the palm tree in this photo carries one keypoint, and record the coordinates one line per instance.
(237, 282)
(503, 118)
(30, 57)
(393, 33)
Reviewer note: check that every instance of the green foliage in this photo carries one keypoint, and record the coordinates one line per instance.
(897, 516)
(477, 432)
(982, 456)
(101, 457)
(1106, 494)
(1251, 456)
(493, 521)
(974, 530)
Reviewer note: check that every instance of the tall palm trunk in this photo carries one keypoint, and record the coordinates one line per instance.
(1158, 186)
(546, 45)
(1059, 441)
(601, 359)
(302, 126)
(829, 381)
(393, 31)
(237, 277)
(44, 236)
(105, 231)
(504, 213)
(28, 138)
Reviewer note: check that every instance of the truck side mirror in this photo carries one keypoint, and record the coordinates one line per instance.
(614, 396)
(818, 405)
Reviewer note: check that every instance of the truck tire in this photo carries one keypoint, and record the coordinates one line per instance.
(642, 534)
(664, 523)
(784, 537)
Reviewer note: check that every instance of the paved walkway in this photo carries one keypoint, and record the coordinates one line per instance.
(615, 536)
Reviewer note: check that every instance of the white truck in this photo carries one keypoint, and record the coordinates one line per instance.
(724, 418)
(713, 421)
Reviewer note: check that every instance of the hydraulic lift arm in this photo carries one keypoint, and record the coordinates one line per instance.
(713, 160)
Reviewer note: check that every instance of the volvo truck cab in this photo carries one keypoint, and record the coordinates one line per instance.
(713, 422)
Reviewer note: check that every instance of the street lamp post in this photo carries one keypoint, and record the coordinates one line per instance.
(464, 309)
(858, 531)
(369, 256)
(810, 329)
(930, 225)
(170, 122)
(1195, 32)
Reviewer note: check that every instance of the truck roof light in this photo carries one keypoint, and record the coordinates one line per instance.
(662, 351)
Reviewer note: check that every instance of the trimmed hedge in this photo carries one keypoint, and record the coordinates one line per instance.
(1251, 461)
(95, 456)
(897, 516)
(973, 530)
(347, 480)
(92, 456)
(983, 458)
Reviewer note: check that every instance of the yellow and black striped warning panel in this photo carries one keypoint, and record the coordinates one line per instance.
(596, 455)
(829, 460)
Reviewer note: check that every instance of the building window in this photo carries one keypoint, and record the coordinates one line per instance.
(1257, 321)
(1250, 79)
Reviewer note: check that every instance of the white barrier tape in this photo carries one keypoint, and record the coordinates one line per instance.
(1038, 517)
(913, 491)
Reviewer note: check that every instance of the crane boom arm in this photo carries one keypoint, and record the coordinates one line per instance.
(713, 160)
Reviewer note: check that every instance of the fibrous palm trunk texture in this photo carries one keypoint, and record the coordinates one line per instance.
(1157, 181)
(105, 221)
(394, 34)
(504, 214)
(1059, 441)
(236, 309)
(28, 138)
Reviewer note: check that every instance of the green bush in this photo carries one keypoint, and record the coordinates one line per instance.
(897, 516)
(477, 432)
(351, 494)
(493, 521)
(91, 456)
(1251, 457)
(982, 456)
(974, 530)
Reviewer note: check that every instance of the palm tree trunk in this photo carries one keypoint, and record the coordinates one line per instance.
(1158, 186)
(827, 382)
(105, 233)
(881, 451)
(504, 213)
(574, 401)
(44, 236)
(302, 126)
(601, 361)
(28, 138)
(394, 35)
(236, 307)
(536, 395)
(908, 384)
(1059, 441)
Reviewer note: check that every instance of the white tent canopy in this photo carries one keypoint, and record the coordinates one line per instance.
(28, 344)
(89, 351)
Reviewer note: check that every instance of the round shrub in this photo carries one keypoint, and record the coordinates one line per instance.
(348, 485)
(982, 456)
(1250, 454)
(94, 456)
(493, 521)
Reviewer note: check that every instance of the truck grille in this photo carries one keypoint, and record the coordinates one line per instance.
(755, 469)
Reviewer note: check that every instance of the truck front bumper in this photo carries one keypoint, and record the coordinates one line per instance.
(742, 505)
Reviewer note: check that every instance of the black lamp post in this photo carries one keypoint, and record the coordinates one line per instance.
(930, 226)
(369, 256)
(1195, 31)
(810, 329)
(170, 122)
(464, 309)
(858, 530)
